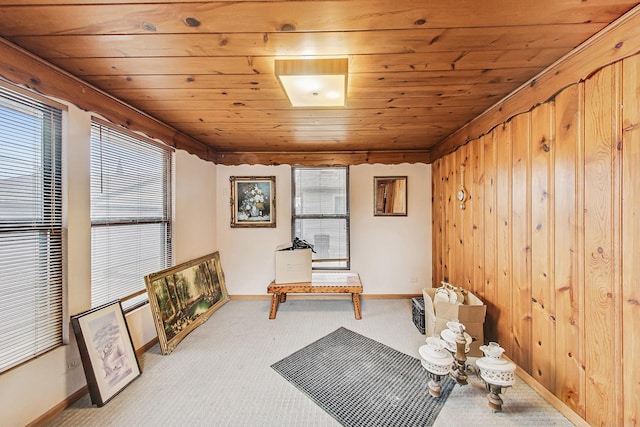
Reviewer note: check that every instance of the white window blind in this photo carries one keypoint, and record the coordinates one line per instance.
(130, 214)
(30, 228)
(321, 213)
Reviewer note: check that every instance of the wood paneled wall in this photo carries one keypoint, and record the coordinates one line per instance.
(550, 240)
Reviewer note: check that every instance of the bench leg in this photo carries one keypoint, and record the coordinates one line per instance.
(356, 305)
(283, 297)
(274, 306)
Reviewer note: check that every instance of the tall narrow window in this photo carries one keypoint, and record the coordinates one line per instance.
(30, 228)
(130, 214)
(321, 213)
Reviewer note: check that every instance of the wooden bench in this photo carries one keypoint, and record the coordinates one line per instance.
(323, 283)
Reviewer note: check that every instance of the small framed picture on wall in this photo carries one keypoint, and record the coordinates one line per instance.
(253, 201)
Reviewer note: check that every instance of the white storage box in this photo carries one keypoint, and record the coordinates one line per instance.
(293, 266)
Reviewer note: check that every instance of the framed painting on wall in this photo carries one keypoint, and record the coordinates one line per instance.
(390, 196)
(184, 296)
(108, 357)
(253, 201)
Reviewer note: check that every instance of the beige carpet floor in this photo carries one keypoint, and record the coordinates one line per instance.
(221, 374)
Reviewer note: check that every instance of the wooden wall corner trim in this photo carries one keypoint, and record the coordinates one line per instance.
(22, 68)
(619, 40)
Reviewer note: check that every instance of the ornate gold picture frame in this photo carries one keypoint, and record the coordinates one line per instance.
(253, 201)
(183, 297)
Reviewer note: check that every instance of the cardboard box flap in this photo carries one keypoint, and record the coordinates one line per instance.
(285, 247)
(429, 314)
(464, 313)
(472, 311)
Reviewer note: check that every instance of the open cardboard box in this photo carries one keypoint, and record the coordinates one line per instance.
(292, 265)
(471, 314)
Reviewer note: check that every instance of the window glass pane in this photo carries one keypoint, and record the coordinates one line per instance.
(320, 191)
(30, 228)
(122, 256)
(130, 213)
(329, 239)
(21, 157)
(321, 214)
(127, 178)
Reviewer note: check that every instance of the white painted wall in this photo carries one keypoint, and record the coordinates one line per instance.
(391, 254)
(247, 254)
(32, 389)
(195, 215)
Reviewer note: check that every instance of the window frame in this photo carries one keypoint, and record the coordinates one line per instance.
(346, 215)
(166, 220)
(48, 329)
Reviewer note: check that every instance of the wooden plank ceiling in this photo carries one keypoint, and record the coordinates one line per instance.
(418, 70)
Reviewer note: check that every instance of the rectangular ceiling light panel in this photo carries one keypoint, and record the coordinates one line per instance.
(314, 82)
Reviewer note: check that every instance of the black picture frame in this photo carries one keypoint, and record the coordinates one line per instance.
(109, 360)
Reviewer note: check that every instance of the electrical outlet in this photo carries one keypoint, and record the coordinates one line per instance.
(73, 364)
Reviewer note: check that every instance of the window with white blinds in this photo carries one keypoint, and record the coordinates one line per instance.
(321, 213)
(130, 214)
(30, 228)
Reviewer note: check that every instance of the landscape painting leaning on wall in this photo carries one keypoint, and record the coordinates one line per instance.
(183, 297)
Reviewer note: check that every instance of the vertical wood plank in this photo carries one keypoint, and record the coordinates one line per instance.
(467, 218)
(542, 249)
(503, 240)
(631, 239)
(448, 217)
(600, 320)
(521, 237)
(569, 361)
(490, 226)
(448, 220)
(616, 238)
(477, 200)
(457, 262)
(436, 218)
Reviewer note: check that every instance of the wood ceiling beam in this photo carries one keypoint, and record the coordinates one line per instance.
(358, 83)
(227, 67)
(330, 143)
(367, 103)
(23, 68)
(270, 16)
(295, 44)
(275, 116)
(430, 94)
(324, 158)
